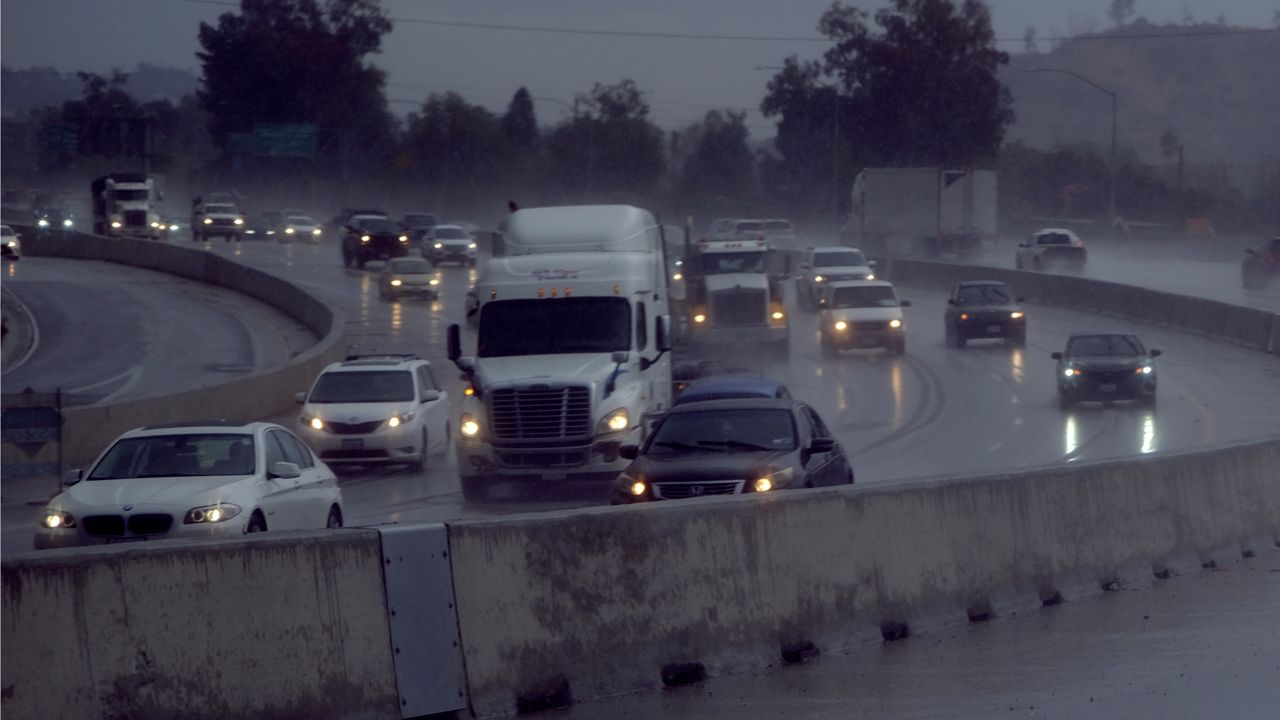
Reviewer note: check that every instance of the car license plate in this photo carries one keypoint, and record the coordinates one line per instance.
(1107, 387)
(993, 329)
(353, 444)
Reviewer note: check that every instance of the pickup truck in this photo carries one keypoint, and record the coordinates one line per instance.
(1051, 249)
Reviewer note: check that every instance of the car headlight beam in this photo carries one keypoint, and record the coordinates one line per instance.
(316, 423)
(895, 324)
(54, 519)
(220, 512)
(841, 325)
(616, 421)
(469, 426)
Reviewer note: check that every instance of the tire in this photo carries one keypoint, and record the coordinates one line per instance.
(475, 488)
(444, 447)
(421, 462)
(334, 521)
(256, 523)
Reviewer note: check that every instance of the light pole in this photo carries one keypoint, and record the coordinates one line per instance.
(835, 143)
(1111, 163)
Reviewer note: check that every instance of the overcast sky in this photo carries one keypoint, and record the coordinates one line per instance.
(682, 79)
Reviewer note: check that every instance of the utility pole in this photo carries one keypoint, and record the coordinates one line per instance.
(1111, 163)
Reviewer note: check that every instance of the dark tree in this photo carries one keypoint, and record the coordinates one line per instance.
(924, 88)
(520, 123)
(721, 165)
(298, 61)
(452, 141)
(807, 111)
(1121, 11)
(609, 145)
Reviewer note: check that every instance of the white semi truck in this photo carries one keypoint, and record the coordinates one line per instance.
(124, 205)
(923, 211)
(572, 342)
(731, 297)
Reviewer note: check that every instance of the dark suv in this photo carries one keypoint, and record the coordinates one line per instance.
(372, 238)
(984, 309)
(732, 447)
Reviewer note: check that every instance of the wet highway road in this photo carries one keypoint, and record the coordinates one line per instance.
(1201, 645)
(937, 411)
(109, 332)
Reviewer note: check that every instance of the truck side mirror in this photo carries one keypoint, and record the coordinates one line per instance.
(300, 398)
(620, 356)
(454, 341)
(871, 264)
(71, 477)
(951, 301)
(629, 452)
(662, 333)
(904, 303)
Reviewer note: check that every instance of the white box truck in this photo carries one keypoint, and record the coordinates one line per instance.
(572, 341)
(923, 211)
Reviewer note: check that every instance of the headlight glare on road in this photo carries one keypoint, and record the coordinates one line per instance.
(895, 324)
(469, 427)
(220, 512)
(57, 519)
(841, 325)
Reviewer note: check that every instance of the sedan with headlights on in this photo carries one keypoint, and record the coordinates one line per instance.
(732, 447)
(979, 309)
(408, 276)
(193, 480)
(1106, 366)
(299, 228)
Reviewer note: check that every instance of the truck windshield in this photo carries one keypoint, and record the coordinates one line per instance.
(551, 326)
(734, 262)
(130, 194)
(850, 258)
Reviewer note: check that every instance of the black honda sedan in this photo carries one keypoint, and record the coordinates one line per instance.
(731, 447)
(980, 309)
(1106, 366)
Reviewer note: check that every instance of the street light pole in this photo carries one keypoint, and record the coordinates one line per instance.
(1111, 163)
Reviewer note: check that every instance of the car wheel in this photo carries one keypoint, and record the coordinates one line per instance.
(256, 523)
(475, 488)
(421, 462)
(444, 447)
(334, 520)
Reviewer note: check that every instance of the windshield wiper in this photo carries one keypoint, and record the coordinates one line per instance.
(734, 444)
(683, 446)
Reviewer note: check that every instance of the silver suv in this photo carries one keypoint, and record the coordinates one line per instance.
(833, 263)
(376, 409)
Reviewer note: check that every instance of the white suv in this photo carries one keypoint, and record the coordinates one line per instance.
(376, 409)
(820, 266)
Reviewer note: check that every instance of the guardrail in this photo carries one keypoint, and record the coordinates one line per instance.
(87, 430)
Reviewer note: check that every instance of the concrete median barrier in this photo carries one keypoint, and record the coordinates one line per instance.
(293, 626)
(87, 430)
(1249, 327)
(599, 602)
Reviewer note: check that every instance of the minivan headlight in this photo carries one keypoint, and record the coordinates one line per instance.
(400, 419)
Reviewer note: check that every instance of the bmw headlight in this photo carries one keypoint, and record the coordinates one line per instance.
(616, 421)
(400, 419)
(220, 512)
(469, 426)
(54, 519)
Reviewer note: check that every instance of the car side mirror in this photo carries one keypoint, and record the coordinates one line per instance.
(1250, 251)
(629, 452)
(871, 264)
(1056, 356)
(430, 396)
(1020, 299)
(904, 303)
(300, 398)
(620, 356)
(285, 470)
(71, 477)
(1156, 353)
(951, 301)
(822, 445)
(454, 342)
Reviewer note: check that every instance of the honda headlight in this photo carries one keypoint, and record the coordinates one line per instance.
(773, 480)
(400, 419)
(616, 421)
(54, 519)
(220, 512)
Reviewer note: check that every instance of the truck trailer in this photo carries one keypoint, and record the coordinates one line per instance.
(926, 212)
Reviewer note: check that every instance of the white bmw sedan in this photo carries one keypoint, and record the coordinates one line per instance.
(217, 479)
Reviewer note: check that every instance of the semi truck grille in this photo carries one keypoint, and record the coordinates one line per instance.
(739, 307)
(566, 459)
(541, 413)
(135, 218)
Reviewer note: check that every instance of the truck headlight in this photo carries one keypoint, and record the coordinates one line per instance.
(54, 519)
(818, 278)
(221, 512)
(396, 282)
(115, 224)
(239, 221)
(616, 421)
(434, 281)
(208, 221)
(469, 426)
(895, 324)
(841, 325)
(772, 480)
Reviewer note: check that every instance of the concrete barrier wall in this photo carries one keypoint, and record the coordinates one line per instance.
(606, 598)
(88, 430)
(291, 626)
(1250, 327)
